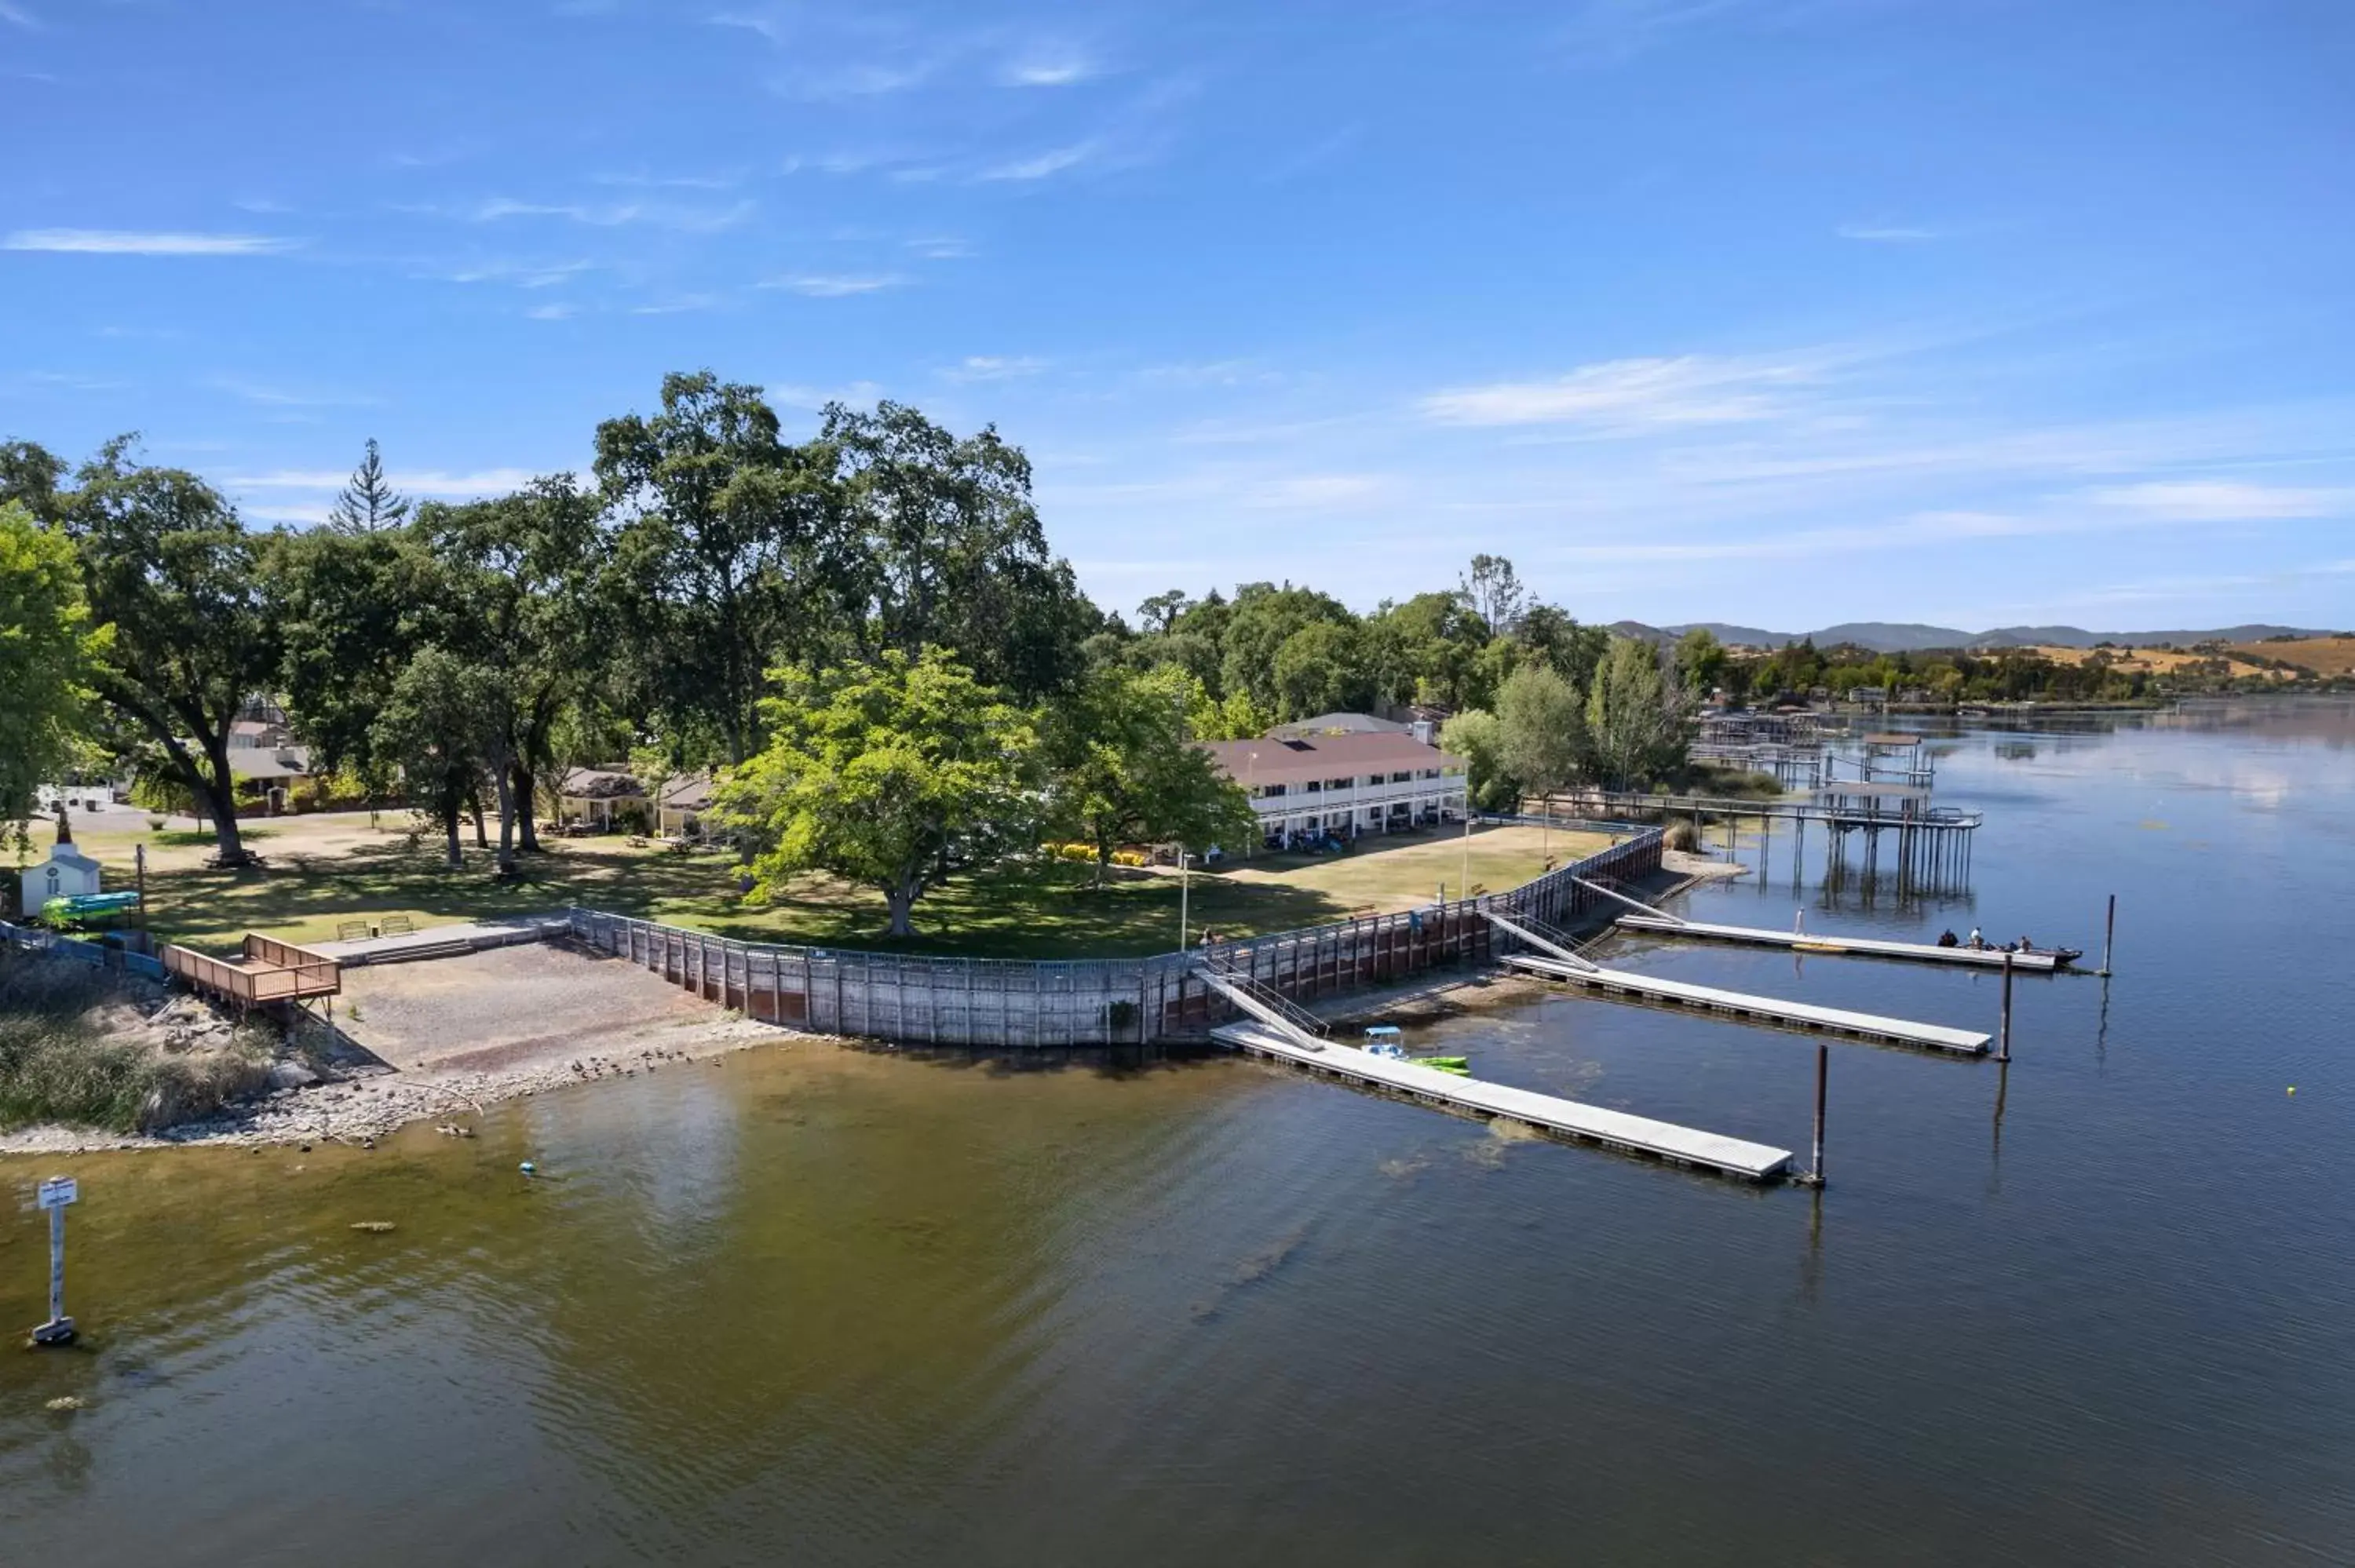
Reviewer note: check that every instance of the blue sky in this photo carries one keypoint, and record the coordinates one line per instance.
(1778, 311)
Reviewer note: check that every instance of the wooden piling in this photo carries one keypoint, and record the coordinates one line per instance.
(2003, 1031)
(2109, 935)
(1823, 1075)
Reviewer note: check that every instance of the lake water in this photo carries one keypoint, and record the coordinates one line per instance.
(822, 1305)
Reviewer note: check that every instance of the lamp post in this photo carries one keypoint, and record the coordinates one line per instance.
(1467, 840)
(1185, 890)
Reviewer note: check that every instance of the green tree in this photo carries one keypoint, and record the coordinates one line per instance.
(369, 504)
(1494, 591)
(1542, 727)
(1547, 634)
(1438, 638)
(1639, 718)
(1701, 658)
(520, 575)
(351, 610)
(167, 562)
(1318, 670)
(1476, 735)
(949, 550)
(1257, 625)
(1158, 614)
(1127, 772)
(893, 775)
(725, 562)
(48, 653)
(33, 474)
(439, 726)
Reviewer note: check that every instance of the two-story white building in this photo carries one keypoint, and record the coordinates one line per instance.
(1313, 786)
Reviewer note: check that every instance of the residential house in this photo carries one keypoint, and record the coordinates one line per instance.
(595, 797)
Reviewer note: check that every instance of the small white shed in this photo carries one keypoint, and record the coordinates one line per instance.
(67, 873)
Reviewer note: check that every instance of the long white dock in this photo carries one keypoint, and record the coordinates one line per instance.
(1854, 946)
(1760, 1009)
(1567, 1119)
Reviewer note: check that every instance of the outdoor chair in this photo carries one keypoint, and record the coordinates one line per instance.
(351, 930)
(396, 926)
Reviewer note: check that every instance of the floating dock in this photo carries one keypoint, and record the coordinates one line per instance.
(1799, 1015)
(1853, 946)
(1565, 1118)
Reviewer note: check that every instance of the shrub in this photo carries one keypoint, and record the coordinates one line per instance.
(57, 1065)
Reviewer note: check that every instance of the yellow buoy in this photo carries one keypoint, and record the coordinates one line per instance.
(2293, 1088)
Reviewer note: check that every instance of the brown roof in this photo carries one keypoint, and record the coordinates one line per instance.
(600, 784)
(1269, 761)
(689, 792)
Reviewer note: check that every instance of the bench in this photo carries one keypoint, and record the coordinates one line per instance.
(396, 926)
(352, 931)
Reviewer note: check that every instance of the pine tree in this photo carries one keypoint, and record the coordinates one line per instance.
(369, 503)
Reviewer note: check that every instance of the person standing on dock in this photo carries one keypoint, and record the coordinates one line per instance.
(1977, 943)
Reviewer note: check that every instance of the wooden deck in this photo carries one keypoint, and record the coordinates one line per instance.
(1734, 1004)
(1565, 1118)
(1847, 946)
(266, 970)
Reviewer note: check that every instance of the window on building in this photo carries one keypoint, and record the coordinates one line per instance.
(1267, 791)
(1312, 787)
(1340, 783)
(1401, 778)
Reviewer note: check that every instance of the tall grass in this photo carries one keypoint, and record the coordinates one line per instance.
(58, 1066)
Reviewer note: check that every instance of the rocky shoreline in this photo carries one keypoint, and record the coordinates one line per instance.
(359, 1108)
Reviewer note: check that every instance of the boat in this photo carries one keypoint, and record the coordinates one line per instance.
(1459, 1065)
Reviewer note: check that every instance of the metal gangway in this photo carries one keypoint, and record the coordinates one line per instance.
(1266, 1004)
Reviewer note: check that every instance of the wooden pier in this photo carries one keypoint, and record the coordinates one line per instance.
(1846, 947)
(1802, 1016)
(1470, 1097)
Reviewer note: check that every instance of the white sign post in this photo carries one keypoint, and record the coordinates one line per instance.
(54, 1195)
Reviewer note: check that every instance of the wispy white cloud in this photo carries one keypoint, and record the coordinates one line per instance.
(993, 367)
(1207, 373)
(835, 285)
(1616, 30)
(1887, 233)
(131, 242)
(856, 79)
(1041, 165)
(678, 304)
(522, 274)
(1316, 492)
(268, 396)
(16, 15)
(797, 395)
(1048, 68)
(640, 179)
(609, 215)
(1622, 395)
(940, 248)
(2222, 500)
(554, 311)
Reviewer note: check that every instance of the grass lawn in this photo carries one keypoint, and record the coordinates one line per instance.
(322, 869)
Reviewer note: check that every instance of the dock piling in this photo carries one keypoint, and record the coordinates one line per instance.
(1814, 1177)
(2003, 1029)
(2109, 935)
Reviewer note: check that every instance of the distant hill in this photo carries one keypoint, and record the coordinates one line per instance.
(1913, 637)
